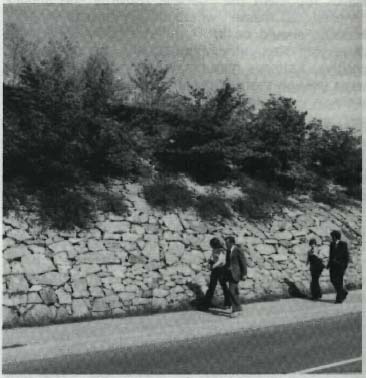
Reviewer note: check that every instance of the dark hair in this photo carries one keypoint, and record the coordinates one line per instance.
(230, 239)
(312, 241)
(336, 235)
(215, 243)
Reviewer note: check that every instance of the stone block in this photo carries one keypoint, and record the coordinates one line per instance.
(111, 227)
(95, 245)
(96, 292)
(79, 288)
(6, 268)
(61, 246)
(40, 314)
(51, 279)
(63, 296)
(34, 298)
(265, 249)
(7, 242)
(48, 295)
(160, 293)
(16, 252)
(172, 222)
(100, 305)
(17, 284)
(102, 257)
(37, 264)
(18, 235)
(129, 237)
(152, 251)
(79, 308)
(10, 317)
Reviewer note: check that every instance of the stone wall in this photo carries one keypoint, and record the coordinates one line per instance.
(149, 260)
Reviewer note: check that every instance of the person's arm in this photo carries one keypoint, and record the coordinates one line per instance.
(330, 253)
(243, 263)
(220, 261)
(346, 254)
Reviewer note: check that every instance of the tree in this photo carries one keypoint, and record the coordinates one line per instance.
(336, 154)
(16, 50)
(97, 82)
(203, 145)
(275, 137)
(151, 82)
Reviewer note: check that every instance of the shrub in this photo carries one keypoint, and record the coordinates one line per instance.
(212, 206)
(250, 209)
(330, 197)
(168, 195)
(66, 208)
(111, 203)
(260, 198)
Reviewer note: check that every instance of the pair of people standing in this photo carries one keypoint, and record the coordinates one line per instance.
(228, 267)
(337, 265)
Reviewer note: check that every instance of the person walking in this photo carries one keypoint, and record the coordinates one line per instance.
(217, 265)
(316, 268)
(236, 270)
(337, 264)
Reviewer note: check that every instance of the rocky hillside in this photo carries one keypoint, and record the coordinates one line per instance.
(149, 260)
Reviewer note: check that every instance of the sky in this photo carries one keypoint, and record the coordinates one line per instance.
(310, 52)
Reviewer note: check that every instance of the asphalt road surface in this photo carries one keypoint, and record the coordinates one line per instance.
(273, 350)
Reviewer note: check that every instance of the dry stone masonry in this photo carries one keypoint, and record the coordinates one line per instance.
(153, 261)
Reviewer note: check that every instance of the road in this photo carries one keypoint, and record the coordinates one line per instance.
(273, 350)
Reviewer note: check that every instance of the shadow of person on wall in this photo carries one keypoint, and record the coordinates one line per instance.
(293, 290)
(197, 303)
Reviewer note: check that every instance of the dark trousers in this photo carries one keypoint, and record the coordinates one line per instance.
(315, 289)
(233, 292)
(336, 278)
(217, 275)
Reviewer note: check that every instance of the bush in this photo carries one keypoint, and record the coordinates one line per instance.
(250, 209)
(167, 195)
(66, 208)
(111, 203)
(260, 198)
(213, 206)
(330, 197)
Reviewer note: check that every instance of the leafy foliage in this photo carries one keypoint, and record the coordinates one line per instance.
(213, 207)
(167, 195)
(65, 126)
(151, 81)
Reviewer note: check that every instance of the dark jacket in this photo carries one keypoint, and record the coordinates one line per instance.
(338, 255)
(236, 263)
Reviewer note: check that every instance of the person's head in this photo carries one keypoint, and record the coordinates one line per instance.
(215, 243)
(230, 241)
(312, 242)
(335, 235)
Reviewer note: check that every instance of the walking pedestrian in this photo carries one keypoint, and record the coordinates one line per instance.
(217, 265)
(236, 270)
(337, 264)
(316, 268)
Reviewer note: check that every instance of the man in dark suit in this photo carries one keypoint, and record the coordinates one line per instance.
(236, 270)
(337, 264)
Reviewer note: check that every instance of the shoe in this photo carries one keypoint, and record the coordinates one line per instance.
(234, 314)
(337, 301)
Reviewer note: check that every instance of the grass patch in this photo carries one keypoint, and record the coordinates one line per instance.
(212, 206)
(66, 208)
(167, 195)
(260, 199)
(111, 203)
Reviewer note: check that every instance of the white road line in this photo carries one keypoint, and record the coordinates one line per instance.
(339, 363)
